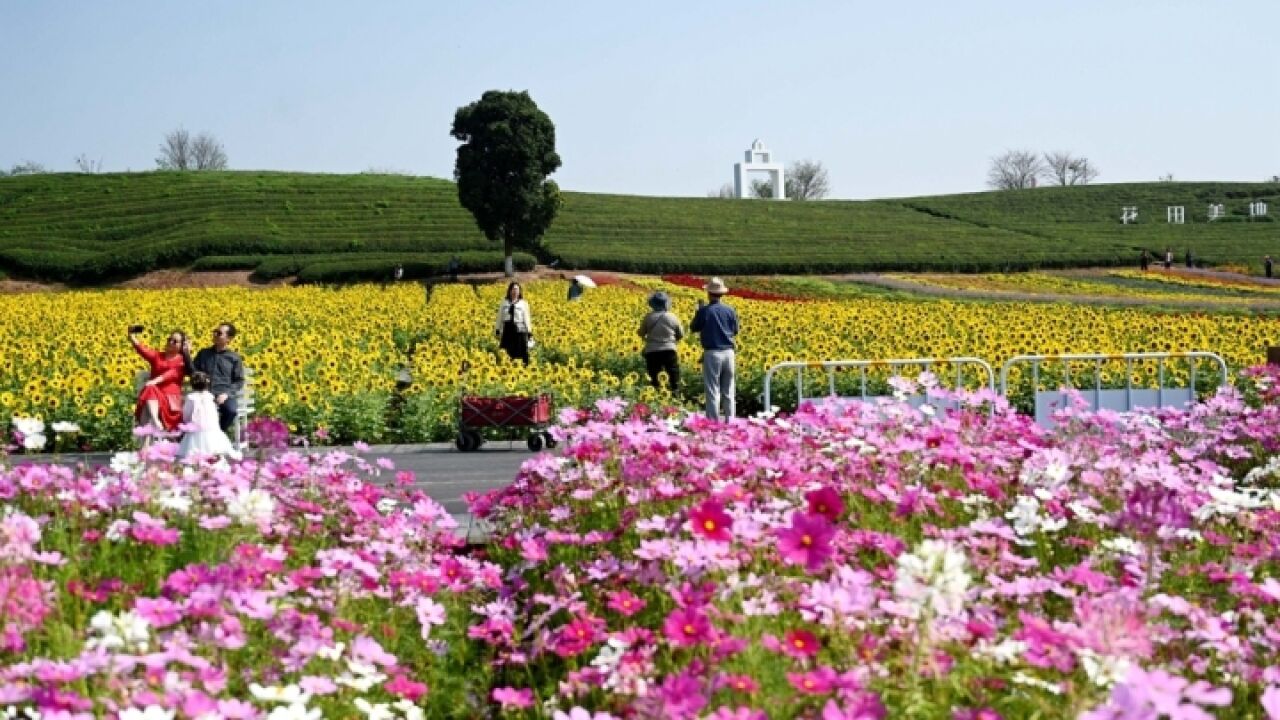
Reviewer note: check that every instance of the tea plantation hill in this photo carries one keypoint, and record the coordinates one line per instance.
(90, 228)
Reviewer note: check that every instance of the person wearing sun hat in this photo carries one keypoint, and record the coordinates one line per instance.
(717, 326)
(661, 331)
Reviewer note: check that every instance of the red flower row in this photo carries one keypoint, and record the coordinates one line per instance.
(692, 281)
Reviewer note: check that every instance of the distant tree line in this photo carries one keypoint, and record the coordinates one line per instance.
(179, 151)
(1020, 169)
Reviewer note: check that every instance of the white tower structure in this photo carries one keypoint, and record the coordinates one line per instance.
(758, 159)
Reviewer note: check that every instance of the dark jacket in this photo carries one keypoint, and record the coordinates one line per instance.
(225, 370)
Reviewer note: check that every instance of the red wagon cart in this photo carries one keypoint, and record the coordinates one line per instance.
(477, 413)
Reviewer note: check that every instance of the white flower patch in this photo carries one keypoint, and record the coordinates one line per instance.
(1022, 678)
(1226, 503)
(252, 507)
(1027, 519)
(1122, 546)
(1005, 652)
(1104, 670)
(289, 694)
(934, 578)
(152, 712)
(127, 631)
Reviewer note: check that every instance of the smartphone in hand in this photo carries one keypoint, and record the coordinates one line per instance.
(135, 329)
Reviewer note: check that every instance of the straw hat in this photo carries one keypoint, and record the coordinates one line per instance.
(716, 286)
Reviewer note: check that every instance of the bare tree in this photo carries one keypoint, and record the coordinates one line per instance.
(724, 192)
(1014, 170)
(85, 165)
(181, 151)
(806, 180)
(207, 153)
(175, 152)
(1063, 168)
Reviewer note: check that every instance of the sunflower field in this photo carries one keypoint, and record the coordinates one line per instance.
(389, 363)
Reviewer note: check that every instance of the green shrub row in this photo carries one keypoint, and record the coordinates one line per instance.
(92, 228)
(354, 270)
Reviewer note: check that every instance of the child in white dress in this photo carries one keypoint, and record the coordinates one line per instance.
(200, 412)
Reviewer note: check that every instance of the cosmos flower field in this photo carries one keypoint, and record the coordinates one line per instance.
(860, 561)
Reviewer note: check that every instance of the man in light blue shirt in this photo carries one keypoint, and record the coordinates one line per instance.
(717, 326)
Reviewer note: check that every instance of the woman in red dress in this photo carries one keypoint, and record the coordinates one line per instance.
(160, 402)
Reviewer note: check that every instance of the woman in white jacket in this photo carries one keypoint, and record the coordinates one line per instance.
(514, 326)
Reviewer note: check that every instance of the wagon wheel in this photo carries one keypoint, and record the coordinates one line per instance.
(535, 441)
(476, 439)
(463, 441)
(550, 441)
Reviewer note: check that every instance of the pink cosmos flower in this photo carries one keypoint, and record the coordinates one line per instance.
(578, 713)
(686, 627)
(510, 697)
(738, 713)
(624, 603)
(402, 686)
(1271, 702)
(826, 502)
(710, 521)
(577, 636)
(800, 644)
(738, 683)
(820, 681)
(807, 541)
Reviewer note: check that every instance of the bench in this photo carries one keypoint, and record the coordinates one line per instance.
(244, 402)
(244, 408)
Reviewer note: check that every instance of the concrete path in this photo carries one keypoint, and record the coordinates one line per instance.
(441, 471)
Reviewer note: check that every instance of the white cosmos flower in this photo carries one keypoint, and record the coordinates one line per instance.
(1104, 670)
(152, 712)
(296, 711)
(374, 711)
(289, 694)
(28, 426)
(127, 631)
(125, 462)
(932, 577)
(252, 507)
(65, 427)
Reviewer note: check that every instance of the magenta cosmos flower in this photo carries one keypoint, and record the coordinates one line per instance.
(625, 603)
(825, 502)
(807, 541)
(800, 644)
(687, 626)
(711, 521)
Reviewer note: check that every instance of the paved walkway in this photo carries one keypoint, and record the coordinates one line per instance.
(440, 470)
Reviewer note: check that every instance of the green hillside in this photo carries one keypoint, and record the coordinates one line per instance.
(87, 228)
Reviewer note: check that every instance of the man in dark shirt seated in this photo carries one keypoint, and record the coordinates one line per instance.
(226, 373)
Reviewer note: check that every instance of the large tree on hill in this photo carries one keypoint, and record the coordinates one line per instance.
(806, 180)
(1014, 170)
(508, 149)
(1063, 168)
(181, 151)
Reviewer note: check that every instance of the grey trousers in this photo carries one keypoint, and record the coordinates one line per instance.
(718, 375)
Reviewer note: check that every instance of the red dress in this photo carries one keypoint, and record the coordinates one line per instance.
(168, 392)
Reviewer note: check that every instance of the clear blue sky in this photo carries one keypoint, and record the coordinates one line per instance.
(657, 98)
